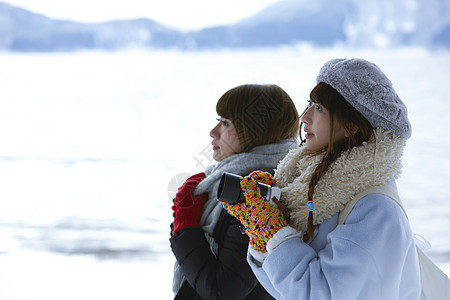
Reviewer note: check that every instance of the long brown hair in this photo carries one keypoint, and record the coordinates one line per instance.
(261, 114)
(355, 124)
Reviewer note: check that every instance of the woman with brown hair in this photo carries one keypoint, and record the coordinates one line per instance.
(355, 129)
(258, 125)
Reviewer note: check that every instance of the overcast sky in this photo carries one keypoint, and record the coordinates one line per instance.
(182, 14)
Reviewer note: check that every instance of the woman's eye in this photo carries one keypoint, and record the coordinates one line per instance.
(317, 106)
(223, 122)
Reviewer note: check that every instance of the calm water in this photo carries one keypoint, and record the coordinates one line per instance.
(90, 141)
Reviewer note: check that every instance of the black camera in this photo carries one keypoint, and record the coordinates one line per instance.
(230, 190)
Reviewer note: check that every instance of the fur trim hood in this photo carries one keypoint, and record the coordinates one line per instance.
(371, 164)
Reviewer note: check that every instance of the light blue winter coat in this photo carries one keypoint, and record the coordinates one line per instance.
(371, 256)
(350, 261)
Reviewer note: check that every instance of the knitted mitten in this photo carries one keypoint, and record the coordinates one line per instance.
(260, 218)
(188, 216)
(187, 209)
(184, 194)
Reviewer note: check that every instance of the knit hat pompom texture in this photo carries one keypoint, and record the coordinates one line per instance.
(368, 90)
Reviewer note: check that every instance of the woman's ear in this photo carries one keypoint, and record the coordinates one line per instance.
(352, 129)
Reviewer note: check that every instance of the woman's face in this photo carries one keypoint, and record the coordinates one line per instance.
(316, 120)
(225, 139)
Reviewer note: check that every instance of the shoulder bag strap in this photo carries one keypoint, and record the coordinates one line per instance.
(435, 283)
(385, 189)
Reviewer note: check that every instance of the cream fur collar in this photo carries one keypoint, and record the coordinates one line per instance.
(370, 164)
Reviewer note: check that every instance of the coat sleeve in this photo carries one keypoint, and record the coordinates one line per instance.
(226, 276)
(372, 256)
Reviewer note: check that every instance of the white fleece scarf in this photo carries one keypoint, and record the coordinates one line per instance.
(370, 164)
(264, 157)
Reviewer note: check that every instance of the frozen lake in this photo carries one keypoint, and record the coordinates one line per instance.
(90, 141)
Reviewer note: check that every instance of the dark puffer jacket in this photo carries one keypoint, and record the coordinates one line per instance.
(227, 276)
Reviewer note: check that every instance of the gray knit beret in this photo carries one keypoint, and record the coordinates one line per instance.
(368, 90)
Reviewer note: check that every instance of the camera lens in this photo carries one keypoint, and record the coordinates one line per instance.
(230, 189)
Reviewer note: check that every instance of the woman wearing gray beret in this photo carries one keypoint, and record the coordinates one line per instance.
(311, 247)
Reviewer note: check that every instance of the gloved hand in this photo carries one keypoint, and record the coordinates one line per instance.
(260, 218)
(185, 190)
(186, 208)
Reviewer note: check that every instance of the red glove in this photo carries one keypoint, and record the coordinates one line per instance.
(184, 194)
(187, 209)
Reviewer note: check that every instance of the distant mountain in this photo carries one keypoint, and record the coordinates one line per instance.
(369, 23)
(319, 22)
(442, 38)
(21, 30)
(380, 23)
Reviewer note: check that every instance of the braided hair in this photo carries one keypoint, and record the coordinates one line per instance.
(357, 127)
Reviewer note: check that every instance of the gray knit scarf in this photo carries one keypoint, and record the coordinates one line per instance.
(264, 157)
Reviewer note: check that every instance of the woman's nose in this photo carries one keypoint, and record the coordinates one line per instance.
(214, 132)
(305, 118)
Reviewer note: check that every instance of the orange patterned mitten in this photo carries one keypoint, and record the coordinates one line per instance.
(260, 218)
